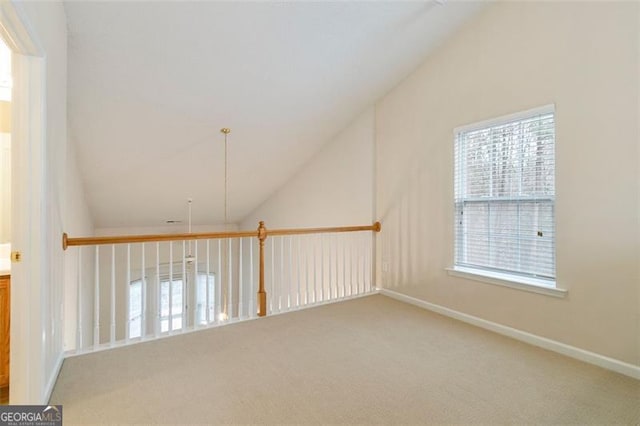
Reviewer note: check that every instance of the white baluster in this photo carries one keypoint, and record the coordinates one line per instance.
(143, 295)
(229, 279)
(274, 295)
(307, 268)
(360, 264)
(128, 294)
(314, 258)
(158, 292)
(337, 270)
(282, 300)
(344, 264)
(79, 319)
(362, 261)
(207, 296)
(219, 283)
(332, 295)
(354, 265)
(370, 264)
(322, 298)
(240, 283)
(112, 334)
(353, 268)
(356, 257)
(170, 319)
(196, 283)
(290, 281)
(185, 299)
(252, 286)
(96, 301)
(299, 271)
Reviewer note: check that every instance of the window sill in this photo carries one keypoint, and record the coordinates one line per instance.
(519, 283)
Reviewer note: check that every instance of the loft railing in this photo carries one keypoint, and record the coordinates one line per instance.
(132, 288)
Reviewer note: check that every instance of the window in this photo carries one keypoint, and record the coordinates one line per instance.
(5, 72)
(171, 306)
(505, 196)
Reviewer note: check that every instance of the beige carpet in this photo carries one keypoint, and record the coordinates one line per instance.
(369, 360)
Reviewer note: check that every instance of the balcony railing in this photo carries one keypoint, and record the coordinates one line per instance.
(141, 287)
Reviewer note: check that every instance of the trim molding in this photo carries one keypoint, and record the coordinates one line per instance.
(53, 378)
(532, 339)
(28, 352)
(496, 279)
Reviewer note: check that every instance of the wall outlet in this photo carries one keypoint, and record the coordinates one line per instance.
(385, 266)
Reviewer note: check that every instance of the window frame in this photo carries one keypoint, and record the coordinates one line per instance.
(173, 316)
(513, 279)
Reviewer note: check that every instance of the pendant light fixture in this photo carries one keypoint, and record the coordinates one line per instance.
(189, 258)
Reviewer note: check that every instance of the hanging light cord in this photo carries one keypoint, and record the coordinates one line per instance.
(226, 131)
(225, 314)
(189, 256)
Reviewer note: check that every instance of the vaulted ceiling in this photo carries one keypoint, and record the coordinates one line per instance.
(151, 83)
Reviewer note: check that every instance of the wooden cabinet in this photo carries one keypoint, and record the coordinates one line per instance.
(5, 317)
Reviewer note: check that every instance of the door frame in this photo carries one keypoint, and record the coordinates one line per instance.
(28, 128)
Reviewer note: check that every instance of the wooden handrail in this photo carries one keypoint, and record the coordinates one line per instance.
(123, 239)
(300, 231)
(261, 233)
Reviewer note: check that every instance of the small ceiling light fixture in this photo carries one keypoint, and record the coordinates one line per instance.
(225, 131)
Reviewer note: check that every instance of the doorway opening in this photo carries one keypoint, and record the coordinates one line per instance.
(5, 218)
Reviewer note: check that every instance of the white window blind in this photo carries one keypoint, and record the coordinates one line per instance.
(505, 195)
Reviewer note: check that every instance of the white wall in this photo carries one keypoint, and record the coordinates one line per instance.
(62, 207)
(335, 188)
(514, 56)
(168, 229)
(78, 223)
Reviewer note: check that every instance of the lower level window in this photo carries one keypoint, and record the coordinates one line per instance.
(171, 292)
(171, 302)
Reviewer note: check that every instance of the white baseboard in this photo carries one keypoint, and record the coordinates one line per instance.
(54, 377)
(552, 345)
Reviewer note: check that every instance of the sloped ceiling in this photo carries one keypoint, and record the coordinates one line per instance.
(151, 84)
